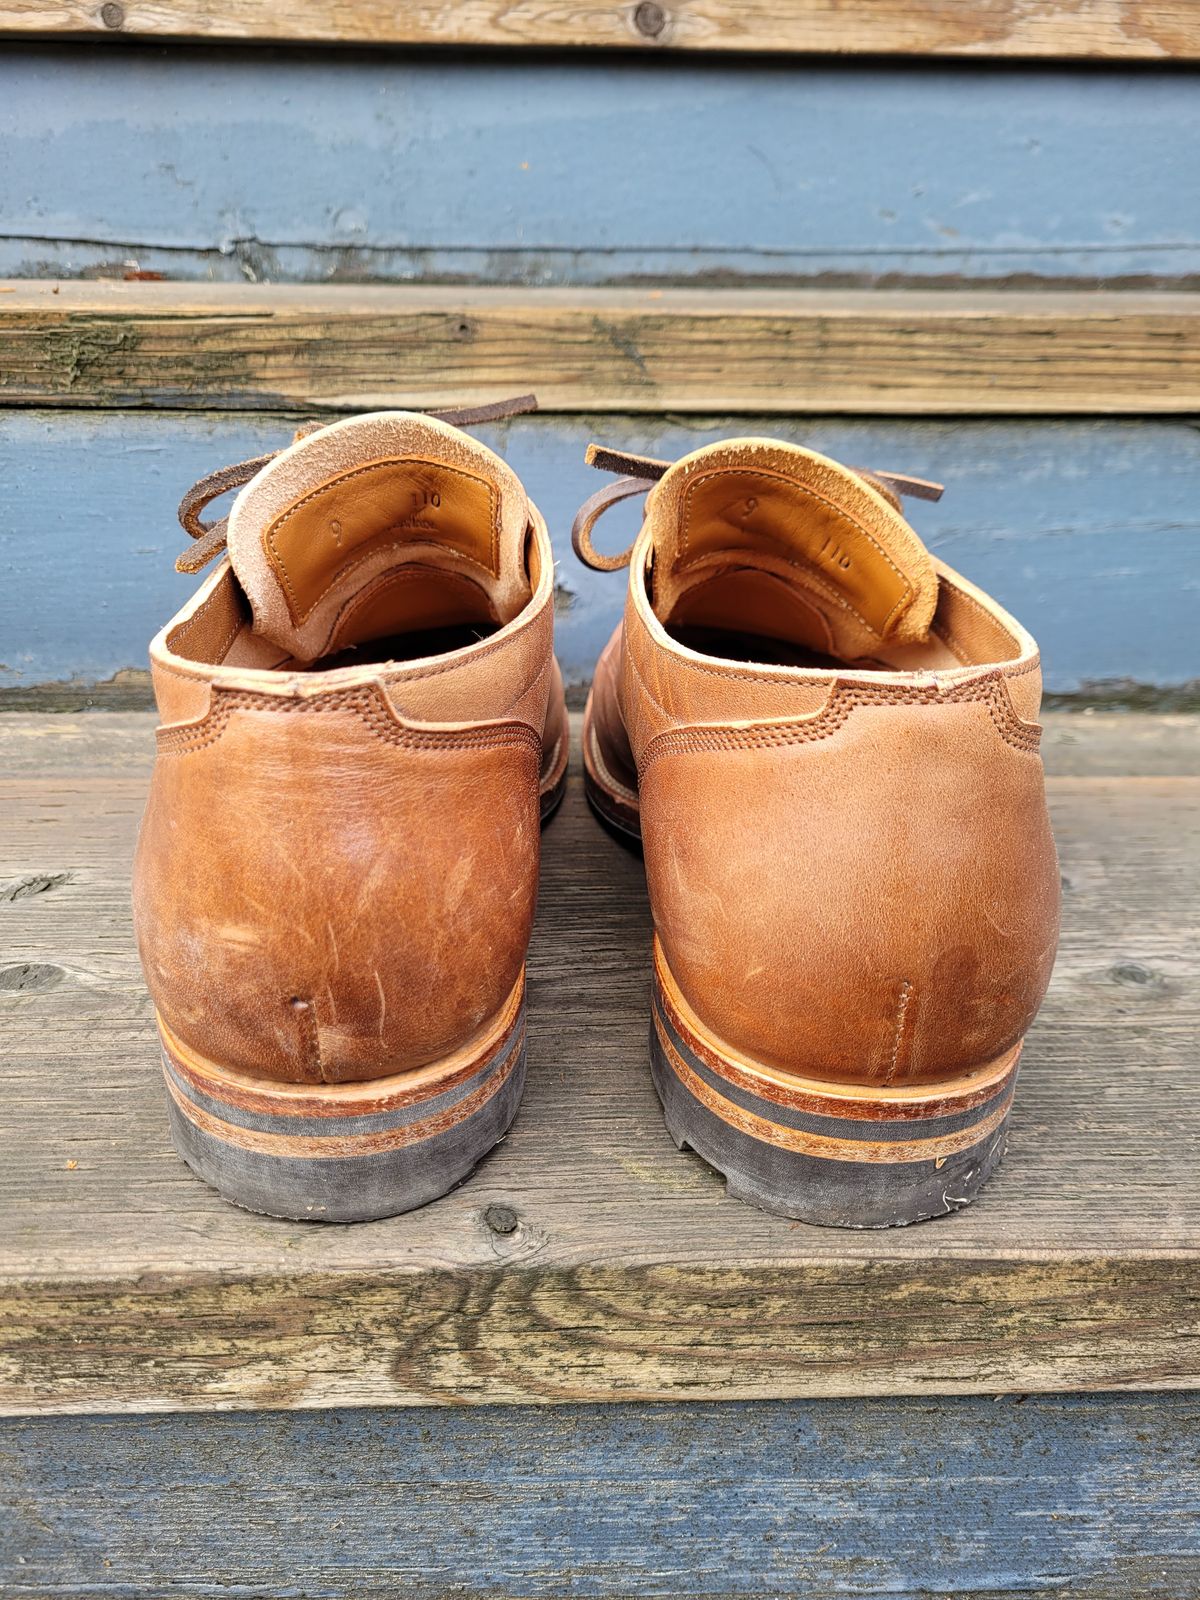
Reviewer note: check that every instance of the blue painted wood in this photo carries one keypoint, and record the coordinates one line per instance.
(316, 164)
(1089, 532)
(1095, 1496)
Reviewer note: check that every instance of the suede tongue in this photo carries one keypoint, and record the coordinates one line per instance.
(368, 502)
(800, 518)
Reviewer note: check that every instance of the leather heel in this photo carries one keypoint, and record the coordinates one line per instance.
(841, 1155)
(346, 1152)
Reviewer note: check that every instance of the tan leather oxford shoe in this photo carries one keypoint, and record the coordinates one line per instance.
(827, 742)
(362, 724)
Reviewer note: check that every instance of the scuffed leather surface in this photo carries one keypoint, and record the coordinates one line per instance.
(851, 872)
(877, 905)
(337, 869)
(319, 851)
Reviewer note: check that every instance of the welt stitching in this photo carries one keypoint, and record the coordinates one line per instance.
(750, 472)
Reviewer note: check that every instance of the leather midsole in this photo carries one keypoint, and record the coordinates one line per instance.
(357, 1097)
(827, 1097)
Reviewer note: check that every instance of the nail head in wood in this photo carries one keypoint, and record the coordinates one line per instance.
(501, 1219)
(649, 19)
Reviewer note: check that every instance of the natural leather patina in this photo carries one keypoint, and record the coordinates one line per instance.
(336, 874)
(828, 743)
(850, 862)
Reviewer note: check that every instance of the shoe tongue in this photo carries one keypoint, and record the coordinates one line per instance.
(799, 518)
(390, 493)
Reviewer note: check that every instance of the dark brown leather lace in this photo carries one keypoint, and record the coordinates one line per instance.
(209, 537)
(640, 473)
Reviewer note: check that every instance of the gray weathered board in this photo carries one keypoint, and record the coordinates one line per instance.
(614, 1268)
(1089, 531)
(1089, 1497)
(319, 164)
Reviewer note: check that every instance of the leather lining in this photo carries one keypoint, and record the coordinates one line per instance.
(734, 509)
(391, 502)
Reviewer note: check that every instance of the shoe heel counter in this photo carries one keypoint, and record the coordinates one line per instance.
(325, 894)
(868, 896)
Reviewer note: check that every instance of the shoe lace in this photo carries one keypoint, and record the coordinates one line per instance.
(208, 538)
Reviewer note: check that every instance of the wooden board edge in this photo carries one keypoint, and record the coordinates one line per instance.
(1135, 31)
(343, 348)
(810, 1328)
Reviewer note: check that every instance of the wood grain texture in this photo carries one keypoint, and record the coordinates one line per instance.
(633, 350)
(1089, 29)
(1088, 1495)
(1057, 520)
(126, 1285)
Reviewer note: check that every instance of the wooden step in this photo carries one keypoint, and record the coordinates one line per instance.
(1131, 30)
(246, 346)
(587, 1259)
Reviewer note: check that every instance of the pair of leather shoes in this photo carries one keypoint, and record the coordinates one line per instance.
(825, 740)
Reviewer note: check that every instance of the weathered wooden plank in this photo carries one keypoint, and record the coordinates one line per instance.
(1057, 519)
(1094, 1495)
(127, 1285)
(377, 167)
(359, 348)
(1129, 30)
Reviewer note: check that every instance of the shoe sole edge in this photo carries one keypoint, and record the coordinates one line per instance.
(345, 1152)
(819, 1154)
